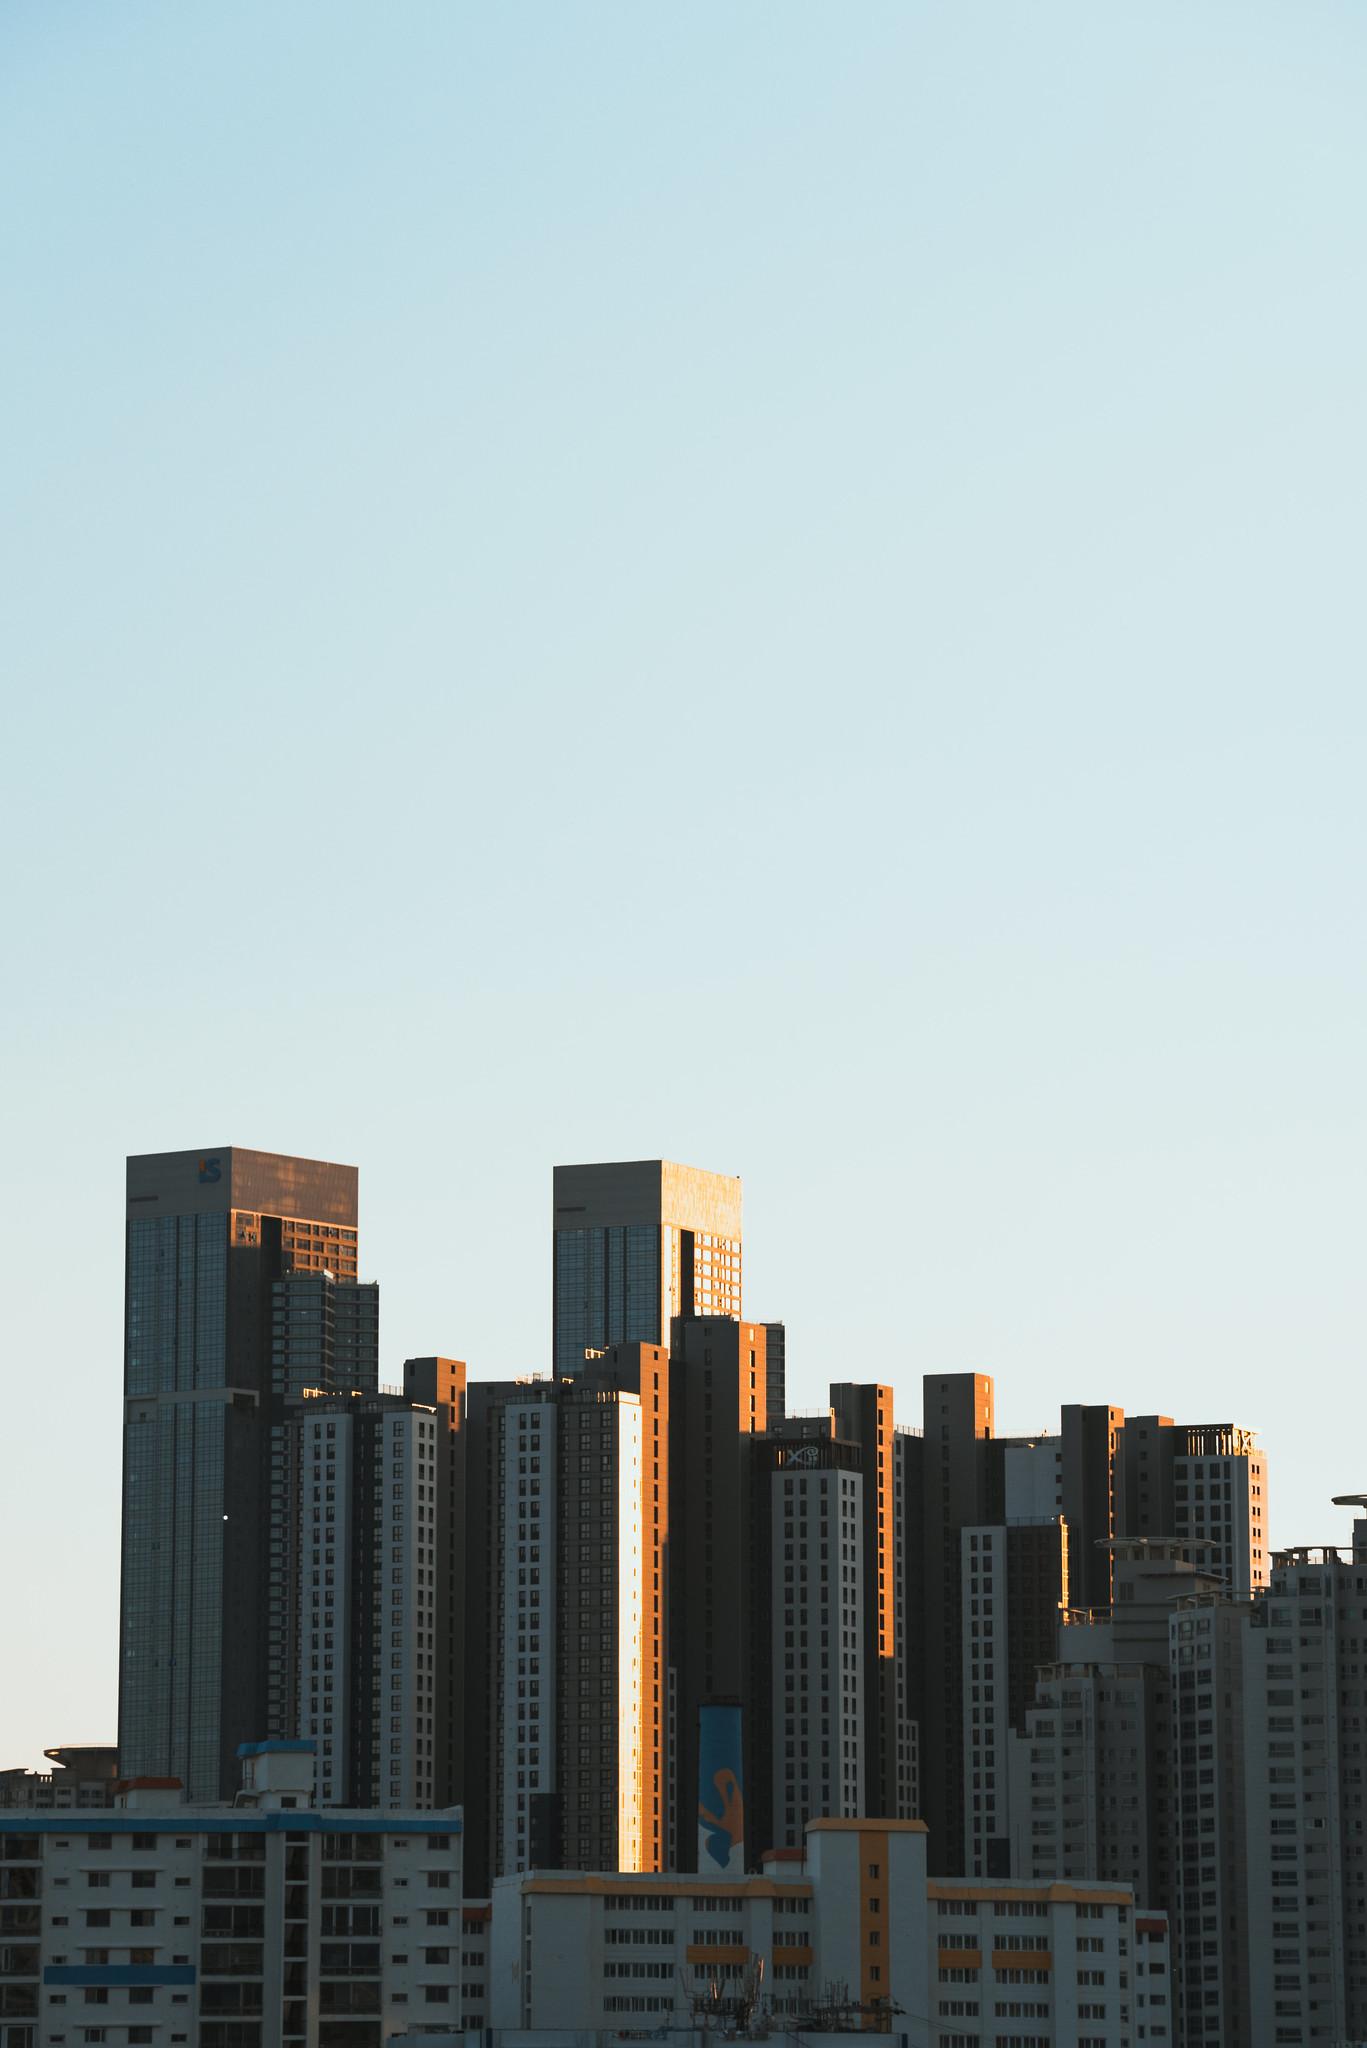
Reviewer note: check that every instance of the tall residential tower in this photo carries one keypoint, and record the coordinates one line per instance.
(209, 1236)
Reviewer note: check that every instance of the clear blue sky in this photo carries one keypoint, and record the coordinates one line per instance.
(779, 585)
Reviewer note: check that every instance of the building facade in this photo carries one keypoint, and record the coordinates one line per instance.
(637, 1243)
(362, 1660)
(1014, 1581)
(835, 1932)
(325, 1336)
(812, 1489)
(1094, 1785)
(949, 1491)
(1304, 1731)
(1046, 1963)
(264, 1924)
(79, 1777)
(209, 1234)
(718, 1617)
(843, 1935)
(1209, 1817)
(566, 1690)
(1198, 1483)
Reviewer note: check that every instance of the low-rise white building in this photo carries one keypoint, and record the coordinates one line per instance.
(271, 1923)
(1031, 1965)
(848, 1933)
(837, 1930)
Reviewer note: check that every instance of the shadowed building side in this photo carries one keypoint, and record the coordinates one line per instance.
(208, 1235)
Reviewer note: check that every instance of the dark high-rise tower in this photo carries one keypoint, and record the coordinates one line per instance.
(864, 1417)
(717, 1386)
(638, 1242)
(209, 1234)
(955, 1493)
(776, 1373)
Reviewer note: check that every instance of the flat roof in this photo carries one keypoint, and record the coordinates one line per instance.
(215, 1178)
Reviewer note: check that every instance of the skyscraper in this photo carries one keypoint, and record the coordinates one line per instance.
(808, 1542)
(638, 1243)
(209, 1233)
(1202, 1483)
(717, 1388)
(1303, 1849)
(566, 1702)
(1014, 1579)
(864, 1417)
(952, 1483)
(362, 1663)
(366, 1649)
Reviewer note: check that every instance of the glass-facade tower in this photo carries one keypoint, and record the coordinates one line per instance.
(208, 1236)
(637, 1243)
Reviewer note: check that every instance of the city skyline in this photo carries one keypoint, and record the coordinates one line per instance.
(209, 1191)
(621, 1622)
(907, 461)
(523, 1596)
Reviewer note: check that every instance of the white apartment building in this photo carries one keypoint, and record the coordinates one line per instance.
(1034, 1965)
(1219, 1483)
(1089, 1776)
(271, 1923)
(1305, 1731)
(366, 1512)
(1013, 1586)
(842, 1924)
(817, 1662)
(575, 1604)
(847, 1933)
(523, 1557)
(1212, 1837)
(1092, 1789)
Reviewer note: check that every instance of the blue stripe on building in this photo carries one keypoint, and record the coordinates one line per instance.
(233, 1821)
(119, 1973)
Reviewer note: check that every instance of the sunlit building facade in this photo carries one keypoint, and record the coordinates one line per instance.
(637, 1243)
(570, 1489)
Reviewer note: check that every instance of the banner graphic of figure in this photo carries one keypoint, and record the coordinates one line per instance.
(721, 1797)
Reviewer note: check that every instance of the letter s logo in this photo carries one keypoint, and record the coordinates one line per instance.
(209, 1170)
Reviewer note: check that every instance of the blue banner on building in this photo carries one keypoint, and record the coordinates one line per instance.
(721, 1796)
